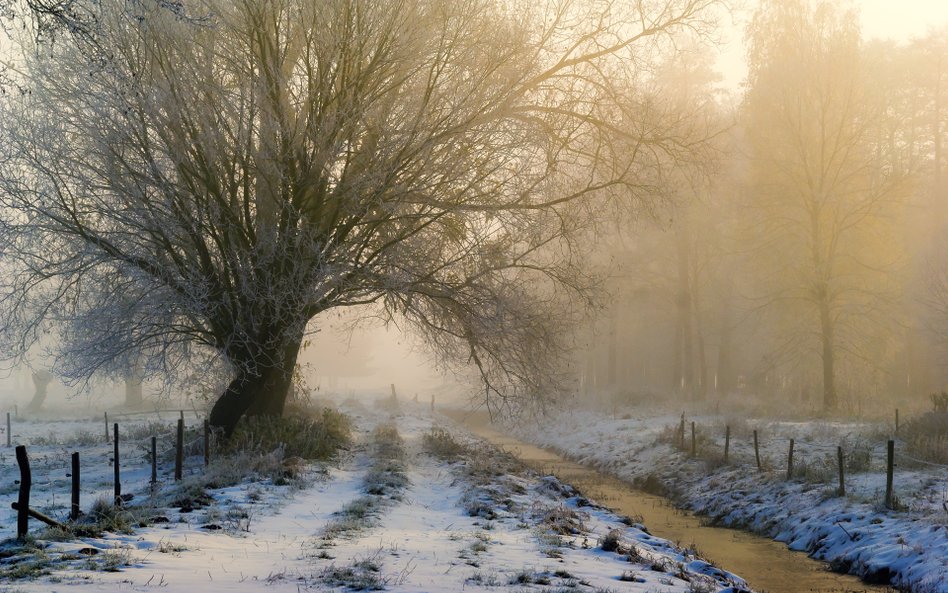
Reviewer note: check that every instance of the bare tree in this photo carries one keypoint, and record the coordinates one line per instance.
(823, 181)
(213, 176)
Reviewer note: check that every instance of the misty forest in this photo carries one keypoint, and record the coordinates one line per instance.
(432, 295)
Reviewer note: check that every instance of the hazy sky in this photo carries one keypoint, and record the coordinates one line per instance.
(895, 19)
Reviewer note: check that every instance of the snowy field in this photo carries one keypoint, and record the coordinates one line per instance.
(387, 514)
(856, 533)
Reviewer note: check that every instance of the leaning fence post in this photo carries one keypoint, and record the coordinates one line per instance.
(727, 441)
(842, 484)
(790, 462)
(889, 469)
(117, 466)
(74, 509)
(23, 500)
(179, 449)
(154, 460)
(756, 451)
(207, 443)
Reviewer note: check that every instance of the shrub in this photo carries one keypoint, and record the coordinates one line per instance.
(926, 437)
(362, 575)
(610, 541)
(318, 436)
(441, 444)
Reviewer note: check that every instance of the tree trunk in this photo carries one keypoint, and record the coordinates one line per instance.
(685, 356)
(725, 372)
(41, 381)
(829, 374)
(260, 394)
(133, 388)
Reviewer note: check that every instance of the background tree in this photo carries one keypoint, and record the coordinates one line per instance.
(822, 182)
(215, 175)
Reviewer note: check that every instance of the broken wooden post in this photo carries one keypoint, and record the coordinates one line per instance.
(756, 451)
(26, 480)
(727, 441)
(842, 484)
(116, 466)
(207, 443)
(889, 470)
(790, 462)
(154, 460)
(179, 448)
(38, 515)
(74, 510)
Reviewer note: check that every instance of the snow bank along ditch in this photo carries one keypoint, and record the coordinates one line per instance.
(906, 547)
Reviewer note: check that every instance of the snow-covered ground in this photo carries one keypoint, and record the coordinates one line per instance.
(907, 547)
(475, 522)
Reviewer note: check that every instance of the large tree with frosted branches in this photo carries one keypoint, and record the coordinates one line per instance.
(213, 176)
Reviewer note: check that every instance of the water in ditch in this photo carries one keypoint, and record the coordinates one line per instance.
(766, 565)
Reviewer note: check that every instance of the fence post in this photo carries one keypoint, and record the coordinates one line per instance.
(154, 460)
(23, 500)
(207, 443)
(179, 448)
(432, 402)
(727, 441)
(694, 446)
(842, 484)
(117, 466)
(896, 421)
(106, 427)
(889, 469)
(790, 462)
(9, 435)
(74, 509)
(681, 433)
(756, 450)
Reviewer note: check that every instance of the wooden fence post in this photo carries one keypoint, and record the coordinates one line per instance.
(727, 441)
(23, 500)
(896, 422)
(694, 445)
(681, 433)
(889, 470)
(154, 460)
(179, 448)
(207, 443)
(74, 509)
(9, 431)
(432, 402)
(106, 427)
(756, 450)
(842, 484)
(790, 462)
(117, 465)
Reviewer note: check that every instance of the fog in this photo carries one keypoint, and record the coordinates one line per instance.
(779, 238)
